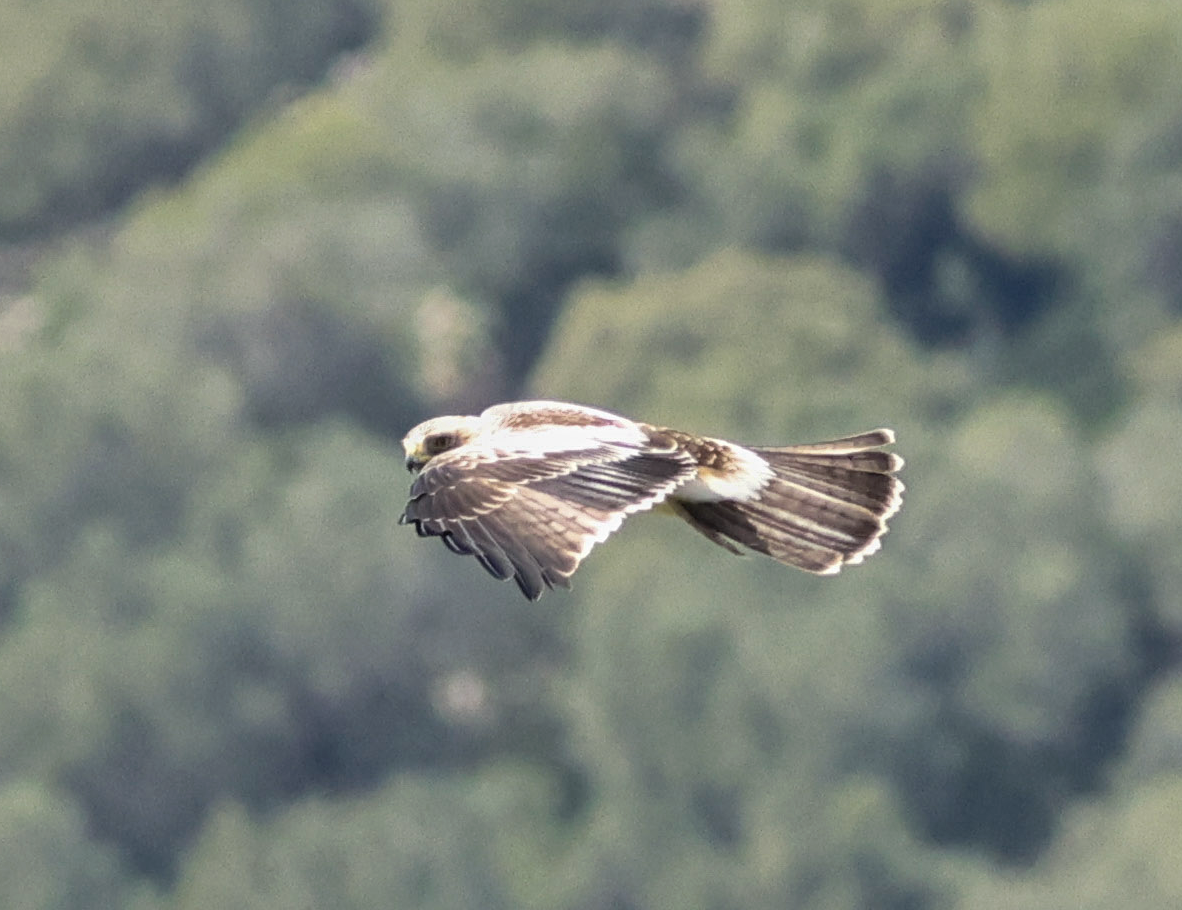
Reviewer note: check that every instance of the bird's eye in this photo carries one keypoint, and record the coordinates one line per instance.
(440, 442)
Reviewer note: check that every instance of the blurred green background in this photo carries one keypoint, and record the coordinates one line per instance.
(245, 244)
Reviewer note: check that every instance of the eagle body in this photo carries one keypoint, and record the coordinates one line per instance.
(529, 487)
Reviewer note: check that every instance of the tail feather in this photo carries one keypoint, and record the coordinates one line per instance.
(845, 446)
(862, 488)
(727, 521)
(872, 462)
(825, 506)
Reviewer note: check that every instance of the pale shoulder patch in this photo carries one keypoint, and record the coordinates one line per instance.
(725, 471)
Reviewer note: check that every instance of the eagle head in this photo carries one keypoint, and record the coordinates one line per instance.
(436, 436)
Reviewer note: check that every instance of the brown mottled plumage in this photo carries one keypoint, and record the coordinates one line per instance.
(529, 488)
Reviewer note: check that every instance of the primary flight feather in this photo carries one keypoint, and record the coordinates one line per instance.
(529, 487)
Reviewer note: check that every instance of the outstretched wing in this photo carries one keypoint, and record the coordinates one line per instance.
(533, 511)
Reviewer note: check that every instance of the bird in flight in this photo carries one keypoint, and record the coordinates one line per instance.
(529, 487)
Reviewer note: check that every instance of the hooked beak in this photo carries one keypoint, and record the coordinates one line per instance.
(414, 464)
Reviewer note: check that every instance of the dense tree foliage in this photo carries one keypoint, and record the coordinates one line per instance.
(100, 98)
(248, 244)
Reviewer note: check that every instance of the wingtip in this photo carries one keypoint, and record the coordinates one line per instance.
(534, 594)
(532, 588)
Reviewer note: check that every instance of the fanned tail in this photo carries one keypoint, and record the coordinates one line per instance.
(825, 506)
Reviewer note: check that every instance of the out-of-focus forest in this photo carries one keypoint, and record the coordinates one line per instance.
(244, 245)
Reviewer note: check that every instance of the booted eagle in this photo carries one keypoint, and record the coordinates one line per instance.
(529, 487)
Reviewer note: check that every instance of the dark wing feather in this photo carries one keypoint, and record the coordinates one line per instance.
(533, 517)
